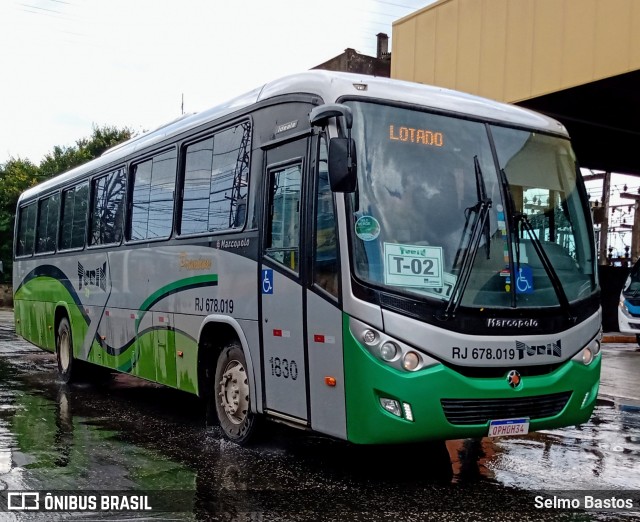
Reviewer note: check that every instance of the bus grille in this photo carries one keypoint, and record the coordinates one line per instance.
(481, 411)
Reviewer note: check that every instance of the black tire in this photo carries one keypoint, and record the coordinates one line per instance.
(64, 352)
(638, 339)
(230, 395)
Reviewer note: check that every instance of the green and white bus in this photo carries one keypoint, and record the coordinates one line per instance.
(375, 260)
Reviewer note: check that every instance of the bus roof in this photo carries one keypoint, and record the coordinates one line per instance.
(329, 86)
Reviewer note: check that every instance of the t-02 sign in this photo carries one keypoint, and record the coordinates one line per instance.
(413, 265)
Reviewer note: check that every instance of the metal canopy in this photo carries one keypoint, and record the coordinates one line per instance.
(603, 119)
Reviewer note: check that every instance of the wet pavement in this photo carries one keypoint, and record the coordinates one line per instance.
(127, 435)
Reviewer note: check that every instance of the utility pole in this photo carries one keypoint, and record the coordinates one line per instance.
(604, 226)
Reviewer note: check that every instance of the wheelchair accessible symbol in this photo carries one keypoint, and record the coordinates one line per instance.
(524, 280)
(267, 281)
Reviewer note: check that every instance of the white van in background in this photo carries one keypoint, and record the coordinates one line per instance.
(629, 306)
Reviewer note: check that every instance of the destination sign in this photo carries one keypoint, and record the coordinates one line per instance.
(413, 135)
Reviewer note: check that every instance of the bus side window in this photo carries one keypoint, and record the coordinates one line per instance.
(283, 242)
(26, 230)
(107, 208)
(325, 274)
(216, 178)
(74, 216)
(47, 230)
(154, 183)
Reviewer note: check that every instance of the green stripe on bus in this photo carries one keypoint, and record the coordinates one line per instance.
(172, 288)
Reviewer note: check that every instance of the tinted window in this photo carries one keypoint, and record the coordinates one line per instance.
(152, 198)
(74, 216)
(326, 246)
(47, 224)
(284, 231)
(107, 208)
(26, 230)
(215, 182)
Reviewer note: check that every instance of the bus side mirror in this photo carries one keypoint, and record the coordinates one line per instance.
(342, 151)
(342, 165)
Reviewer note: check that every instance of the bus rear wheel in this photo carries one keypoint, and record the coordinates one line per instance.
(64, 352)
(231, 395)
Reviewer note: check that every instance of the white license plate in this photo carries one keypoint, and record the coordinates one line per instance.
(508, 427)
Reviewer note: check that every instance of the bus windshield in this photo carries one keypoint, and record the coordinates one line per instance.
(429, 182)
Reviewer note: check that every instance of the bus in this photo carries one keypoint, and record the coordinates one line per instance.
(629, 305)
(374, 260)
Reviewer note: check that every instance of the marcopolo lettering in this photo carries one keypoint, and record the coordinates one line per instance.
(512, 323)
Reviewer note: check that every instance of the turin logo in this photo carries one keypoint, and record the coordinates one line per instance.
(97, 277)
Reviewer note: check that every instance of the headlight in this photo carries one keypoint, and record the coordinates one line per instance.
(388, 351)
(369, 337)
(392, 351)
(587, 356)
(624, 308)
(410, 361)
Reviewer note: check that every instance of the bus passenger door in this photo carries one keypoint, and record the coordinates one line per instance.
(324, 316)
(281, 281)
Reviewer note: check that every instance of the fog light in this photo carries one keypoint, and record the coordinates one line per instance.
(596, 348)
(369, 337)
(587, 356)
(391, 405)
(408, 414)
(388, 351)
(410, 361)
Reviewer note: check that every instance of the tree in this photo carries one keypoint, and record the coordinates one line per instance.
(17, 175)
(62, 159)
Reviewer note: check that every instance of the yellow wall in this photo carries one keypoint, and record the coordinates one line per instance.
(512, 50)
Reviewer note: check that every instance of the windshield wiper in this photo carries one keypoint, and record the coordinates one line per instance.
(546, 264)
(523, 220)
(480, 225)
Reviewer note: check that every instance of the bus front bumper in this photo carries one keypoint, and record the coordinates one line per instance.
(561, 398)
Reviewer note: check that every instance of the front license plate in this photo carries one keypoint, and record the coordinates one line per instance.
(507, 427)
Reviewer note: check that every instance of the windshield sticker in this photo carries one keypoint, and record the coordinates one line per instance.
(367, 228)
(524, 280)
(413, 266)
(442, 292)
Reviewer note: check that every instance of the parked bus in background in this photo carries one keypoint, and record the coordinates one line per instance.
(374, 260)
(629, 306)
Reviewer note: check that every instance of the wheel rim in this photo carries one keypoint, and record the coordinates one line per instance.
(234, 392)
(64, 348)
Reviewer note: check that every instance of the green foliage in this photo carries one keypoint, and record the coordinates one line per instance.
(62, 159)
(17, 175)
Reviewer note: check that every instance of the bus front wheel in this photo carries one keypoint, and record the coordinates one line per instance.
(231, 395)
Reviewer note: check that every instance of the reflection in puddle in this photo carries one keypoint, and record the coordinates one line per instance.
(602, 454)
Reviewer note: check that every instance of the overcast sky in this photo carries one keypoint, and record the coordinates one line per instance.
(66, 65)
